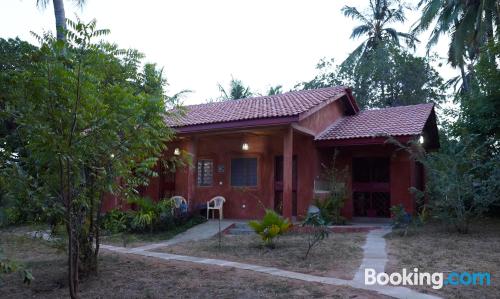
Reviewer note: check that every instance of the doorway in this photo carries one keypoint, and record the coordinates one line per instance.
(278, 185)
(370, 185)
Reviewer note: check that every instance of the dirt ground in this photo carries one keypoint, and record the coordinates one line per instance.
(337, 256)
(434, 248)
(131, 276)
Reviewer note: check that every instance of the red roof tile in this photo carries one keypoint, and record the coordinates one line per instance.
(287, 104)
(394, 121)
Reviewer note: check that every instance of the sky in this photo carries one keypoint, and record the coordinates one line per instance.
(202, 43)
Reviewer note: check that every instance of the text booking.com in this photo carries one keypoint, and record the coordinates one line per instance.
(437, 280)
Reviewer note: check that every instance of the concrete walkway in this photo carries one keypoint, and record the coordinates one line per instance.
(199, 232)
(375, 256)
(374, 253)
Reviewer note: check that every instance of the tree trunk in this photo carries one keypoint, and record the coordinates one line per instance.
(60, 19)
(465, 80)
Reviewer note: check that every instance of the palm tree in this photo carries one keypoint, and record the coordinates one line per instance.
(375, 27)
(470, 25)
(59, 14)
(236, 91)
(274, 90)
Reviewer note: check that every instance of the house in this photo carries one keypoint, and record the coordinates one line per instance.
(270, 152)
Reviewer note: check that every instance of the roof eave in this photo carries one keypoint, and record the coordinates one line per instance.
(237, 125)
(376, 140)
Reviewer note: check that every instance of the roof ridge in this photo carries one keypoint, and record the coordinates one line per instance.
(270, 96)
(398, 107)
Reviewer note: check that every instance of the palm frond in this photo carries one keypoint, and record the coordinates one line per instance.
(360, 30)
(393, 34)
(353, 13)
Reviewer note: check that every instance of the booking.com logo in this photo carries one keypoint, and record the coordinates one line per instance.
(436, 280)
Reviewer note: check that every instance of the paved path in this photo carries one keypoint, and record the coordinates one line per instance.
(374, 253)
(375, 256)
(202, 231)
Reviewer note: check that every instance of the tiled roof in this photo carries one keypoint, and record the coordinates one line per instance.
(287, 104)
(394, 121)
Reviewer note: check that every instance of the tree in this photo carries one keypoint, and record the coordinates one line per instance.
(237, 90)
(380, 72)
(59, 14)
(479, 112)
(470, 25)
(389, 77)
(86, 115)
(274, 90)
(374, 27)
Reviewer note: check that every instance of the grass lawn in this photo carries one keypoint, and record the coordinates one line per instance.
(128, 276)
(338, 256)
(433, 248)
(131, 239)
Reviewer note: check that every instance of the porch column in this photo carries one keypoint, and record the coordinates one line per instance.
(191, 172)
(287, 172)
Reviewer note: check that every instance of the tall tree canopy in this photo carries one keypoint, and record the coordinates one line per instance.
(470, 25)
(375, 27)
(237, 90)
(391, 77)
(81, 114)
(381, 71)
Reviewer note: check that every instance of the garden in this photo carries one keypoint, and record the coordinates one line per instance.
(82, 119)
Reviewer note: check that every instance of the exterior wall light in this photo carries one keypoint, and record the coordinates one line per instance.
(177, 151)
(421, 140)
(244, 146)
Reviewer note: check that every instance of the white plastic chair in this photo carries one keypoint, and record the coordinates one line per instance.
(215, 204)
(178, 201)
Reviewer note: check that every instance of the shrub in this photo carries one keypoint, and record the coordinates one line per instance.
(271, 226)
(332, 204)
(116, 221)
(462, 179)
(319, 231)
(404, 221)
(329, 209)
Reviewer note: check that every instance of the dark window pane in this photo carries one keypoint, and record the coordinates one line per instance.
(244, 172)
(365, 170)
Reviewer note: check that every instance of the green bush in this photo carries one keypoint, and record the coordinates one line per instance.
(329, 209)
(403, 222)
(117, 221)
(331, 206)
(271, 227)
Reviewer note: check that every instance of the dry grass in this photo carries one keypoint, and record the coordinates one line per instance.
(433, 248)
(339, 255)
(139, 277)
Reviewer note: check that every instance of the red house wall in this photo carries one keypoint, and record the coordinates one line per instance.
(402, 172)
(321, 119)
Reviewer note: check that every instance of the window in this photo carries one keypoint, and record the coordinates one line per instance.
(244, 172)
(366, 170)
(205, 172)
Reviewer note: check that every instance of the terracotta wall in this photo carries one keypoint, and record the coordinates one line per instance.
(321, 119)
(242, 202)
(401, 172)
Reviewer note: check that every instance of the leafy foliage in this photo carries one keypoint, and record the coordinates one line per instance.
(274, 90)
(374, 27)
(8, 266)
(463, 180)
(389, 76)
(331, 205)
(271, 227)
(83, 114)
(237, 90)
